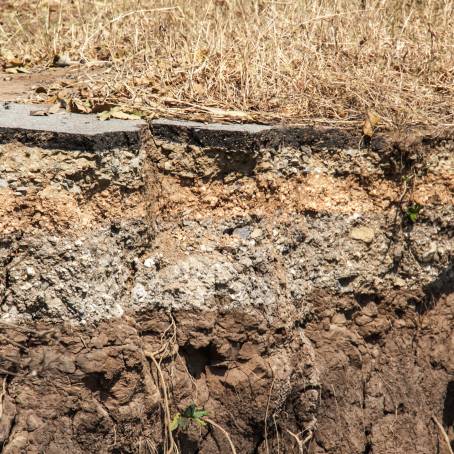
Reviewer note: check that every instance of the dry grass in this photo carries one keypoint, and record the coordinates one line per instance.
(274, 60)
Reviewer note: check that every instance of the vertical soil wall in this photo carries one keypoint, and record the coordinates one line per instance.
(295, 286)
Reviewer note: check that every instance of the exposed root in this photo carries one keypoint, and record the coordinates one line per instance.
(226, 434)
(16, 344)
(171, 447)
(2, 396)
(7, 372)
(443, 434)
(278, 438)
(266, 416)
(167, 349)
(301, 443)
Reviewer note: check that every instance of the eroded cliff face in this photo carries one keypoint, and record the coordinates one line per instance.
(271, 276)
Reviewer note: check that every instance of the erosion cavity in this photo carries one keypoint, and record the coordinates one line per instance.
(295, 287)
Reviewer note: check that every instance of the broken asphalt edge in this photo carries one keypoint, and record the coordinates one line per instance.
(86, 132)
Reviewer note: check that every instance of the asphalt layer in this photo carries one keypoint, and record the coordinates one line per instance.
(72, 131)
(20, 117)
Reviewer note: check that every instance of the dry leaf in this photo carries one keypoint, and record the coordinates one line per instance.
(125, 115)
(54, 109)
(78, 106)
(12, 60)
(16, 70)
(39, 113)
(371, 121)
(16, 62)
(103, 116)
(118, 113)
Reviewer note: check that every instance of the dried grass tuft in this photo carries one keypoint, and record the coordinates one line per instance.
(265, 60)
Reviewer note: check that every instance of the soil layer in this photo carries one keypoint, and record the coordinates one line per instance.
(296, 286)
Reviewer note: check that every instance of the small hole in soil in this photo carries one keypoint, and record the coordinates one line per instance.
(349, 313)
(344, 281)
(228, 231)
(448, 408)
(97, 383)
(373, 338)
(363, 299)
(196, 359)
(399, 312)
(115, 227)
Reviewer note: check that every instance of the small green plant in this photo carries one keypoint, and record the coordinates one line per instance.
(190, 414)
(413, 211)
(200, 417)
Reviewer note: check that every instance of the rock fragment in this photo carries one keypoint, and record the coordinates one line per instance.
(365, 234)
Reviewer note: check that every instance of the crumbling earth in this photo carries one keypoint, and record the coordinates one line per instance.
(272, 276)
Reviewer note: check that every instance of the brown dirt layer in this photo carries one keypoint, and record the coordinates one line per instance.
(377, 370)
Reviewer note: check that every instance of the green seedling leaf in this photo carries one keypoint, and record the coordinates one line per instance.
(412, 217)
(200, 413)
(175, 422)
(413, 212)
(189, 411)
(190, 414)
(200, 422)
